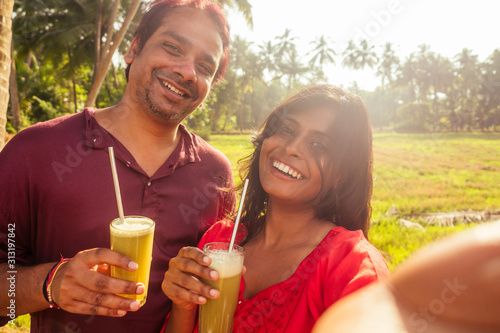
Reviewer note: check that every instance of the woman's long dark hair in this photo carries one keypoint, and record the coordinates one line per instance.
(347, 179)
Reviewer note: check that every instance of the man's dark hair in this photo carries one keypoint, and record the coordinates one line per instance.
(157, 11)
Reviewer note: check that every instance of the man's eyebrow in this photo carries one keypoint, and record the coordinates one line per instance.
(177, 37)
(185, 41)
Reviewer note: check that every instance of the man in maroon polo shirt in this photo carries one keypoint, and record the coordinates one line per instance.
(57, 189)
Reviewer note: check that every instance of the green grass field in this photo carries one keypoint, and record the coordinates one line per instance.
(418, 173)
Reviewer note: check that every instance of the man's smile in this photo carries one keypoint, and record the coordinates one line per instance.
(169, 86)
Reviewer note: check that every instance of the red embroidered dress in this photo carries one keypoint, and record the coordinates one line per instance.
(343, 262)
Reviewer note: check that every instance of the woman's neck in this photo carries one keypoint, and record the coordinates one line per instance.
(284, 227)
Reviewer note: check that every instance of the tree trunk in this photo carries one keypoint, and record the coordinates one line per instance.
(225, 122)
(254, 112)
(108, 50)
(97, 47)
(241, 117)
(75, 96)
(215, 118)
(14, 94)
(115, 77)
(6, 7)
(73, 83)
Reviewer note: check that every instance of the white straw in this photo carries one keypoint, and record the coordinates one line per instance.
(117, 185)
(235, 229)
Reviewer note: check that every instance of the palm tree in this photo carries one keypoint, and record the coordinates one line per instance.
(56, 31)
(322, 52)
(407, 76)
(388, 64)
(358, 58)
(104, 53)
(439, 72)
(241, 58)
(243, 7)
(292, 68)
(267, 55)
(468, 72)
(15, 106)
(6, 7)
(424, 76)
(490, 89)
(287, 59)
(65, 32)
(23, 21)
(285, 45)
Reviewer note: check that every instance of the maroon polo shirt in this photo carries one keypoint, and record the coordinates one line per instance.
(57, 193)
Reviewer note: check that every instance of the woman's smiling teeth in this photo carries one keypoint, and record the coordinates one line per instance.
(169, 86)
(287, 170)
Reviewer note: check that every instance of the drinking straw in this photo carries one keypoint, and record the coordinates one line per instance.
(117, 185)
(235, 229)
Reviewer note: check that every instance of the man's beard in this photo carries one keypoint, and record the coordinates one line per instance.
(163, 115)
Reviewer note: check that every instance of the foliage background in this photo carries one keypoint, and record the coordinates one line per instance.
(54, 52)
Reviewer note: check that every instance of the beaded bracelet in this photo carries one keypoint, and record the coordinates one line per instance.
(47, 285)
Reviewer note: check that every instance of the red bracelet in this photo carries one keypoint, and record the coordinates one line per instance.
(50, 279)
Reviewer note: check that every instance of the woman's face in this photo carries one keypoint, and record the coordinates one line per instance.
(292, 160)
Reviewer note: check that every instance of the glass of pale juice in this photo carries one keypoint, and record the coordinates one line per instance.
(216, 315)
(134, 238)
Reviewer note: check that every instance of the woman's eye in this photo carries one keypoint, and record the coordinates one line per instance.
(286, 130)
(318, 146)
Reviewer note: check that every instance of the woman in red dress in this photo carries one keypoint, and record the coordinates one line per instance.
(304, 222)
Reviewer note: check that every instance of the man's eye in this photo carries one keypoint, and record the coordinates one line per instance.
(171, 48)
(206, 70)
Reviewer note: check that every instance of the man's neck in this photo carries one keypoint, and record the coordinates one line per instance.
(148, 141)
(126, 120)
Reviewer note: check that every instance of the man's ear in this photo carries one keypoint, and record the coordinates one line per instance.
(132, 51)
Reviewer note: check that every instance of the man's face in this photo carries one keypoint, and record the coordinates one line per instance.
(172, 75)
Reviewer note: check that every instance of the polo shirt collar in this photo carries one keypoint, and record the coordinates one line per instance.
(97, 137)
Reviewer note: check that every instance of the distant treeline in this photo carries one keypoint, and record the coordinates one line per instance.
(54, 58)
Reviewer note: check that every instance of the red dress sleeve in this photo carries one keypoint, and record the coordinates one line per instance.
(360, 264)
(219, 232)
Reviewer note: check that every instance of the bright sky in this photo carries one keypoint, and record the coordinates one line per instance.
(447, 26)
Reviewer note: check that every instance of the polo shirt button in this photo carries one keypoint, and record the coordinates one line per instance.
(149, 184)
(95, 140)
(128, 164)
(239, 302)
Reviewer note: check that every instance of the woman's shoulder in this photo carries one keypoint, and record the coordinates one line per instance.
(348, 240)
(342, 246)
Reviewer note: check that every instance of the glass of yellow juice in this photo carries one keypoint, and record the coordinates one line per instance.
(216, 315)
(134, 238)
